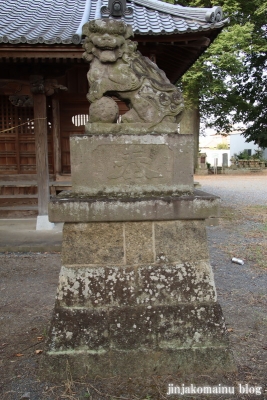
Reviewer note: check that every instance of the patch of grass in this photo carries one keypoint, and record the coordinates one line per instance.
(253, 250)
(258, 231)
(257, 254)
(45, 333)
(251, 213)
(255, 213)
(230, 215)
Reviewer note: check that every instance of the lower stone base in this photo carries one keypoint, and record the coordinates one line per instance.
(136, 299)
(138, 341)
(137, 363)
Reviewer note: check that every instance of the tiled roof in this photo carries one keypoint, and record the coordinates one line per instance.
(42, 21)
(155, 17)
(59, 21)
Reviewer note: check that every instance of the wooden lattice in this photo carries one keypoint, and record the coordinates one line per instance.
(17, 141)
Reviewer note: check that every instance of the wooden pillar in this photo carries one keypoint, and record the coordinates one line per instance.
(56, 136)
(40, 128)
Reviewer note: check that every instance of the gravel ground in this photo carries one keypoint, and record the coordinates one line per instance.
(242, 289)
(28, 285)
(236, 190)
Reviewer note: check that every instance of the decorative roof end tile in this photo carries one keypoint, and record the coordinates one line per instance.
(116, 9)
(215, 14)
(76, 39)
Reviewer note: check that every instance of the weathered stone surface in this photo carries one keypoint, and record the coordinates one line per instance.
(191, 325)
(80, 329)
(96, 287)
(129, 243)
(179, 241)
(132, 327)
(215, 360)
(82, 287)
(71, 208)
(171, 362)
(151, 295)
(172, 284)
(131, 165)
(139, 246)
(135, 263)
(94, 243)
(120, 286)
(104, 110)
(127, 328)
(134, 128)
(116, 67)
(169, 284)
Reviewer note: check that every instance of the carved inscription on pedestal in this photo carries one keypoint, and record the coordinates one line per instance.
(132, 164)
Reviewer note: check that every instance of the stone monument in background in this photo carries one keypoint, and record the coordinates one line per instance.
(136, 294)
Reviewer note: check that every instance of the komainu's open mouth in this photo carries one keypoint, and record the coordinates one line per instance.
(109, 48)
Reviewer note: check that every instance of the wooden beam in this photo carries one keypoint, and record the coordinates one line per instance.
(9, 87)
(56, 136)
(201, 42)
(40, 129)
(45, 52)
(75, 51)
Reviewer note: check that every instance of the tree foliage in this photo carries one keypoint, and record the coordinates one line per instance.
(229, 82)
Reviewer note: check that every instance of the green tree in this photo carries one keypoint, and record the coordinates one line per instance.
(253, 84)
(229, 82)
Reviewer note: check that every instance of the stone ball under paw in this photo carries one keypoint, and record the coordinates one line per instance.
(104, 110)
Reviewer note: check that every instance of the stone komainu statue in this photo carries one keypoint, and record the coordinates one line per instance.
(118, 69)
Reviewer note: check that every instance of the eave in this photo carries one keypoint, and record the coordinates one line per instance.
(174, 53)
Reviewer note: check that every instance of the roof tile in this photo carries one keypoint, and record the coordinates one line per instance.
(57, 21)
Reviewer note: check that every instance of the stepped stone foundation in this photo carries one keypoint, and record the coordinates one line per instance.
(136, 293)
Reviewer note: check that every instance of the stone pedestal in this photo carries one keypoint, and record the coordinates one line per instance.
(136, 294)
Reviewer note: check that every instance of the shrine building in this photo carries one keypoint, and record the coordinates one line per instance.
(43, 83)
